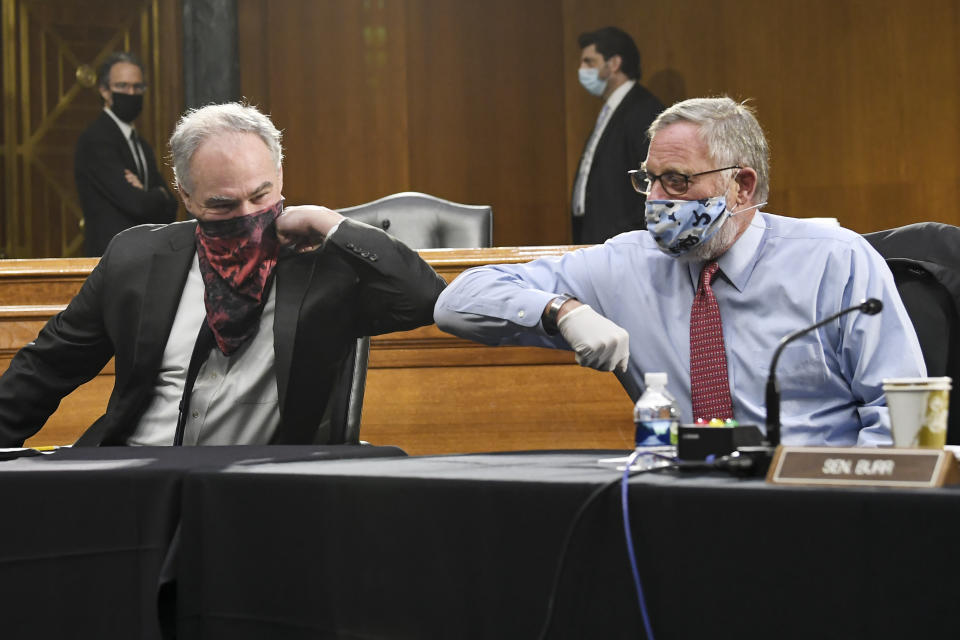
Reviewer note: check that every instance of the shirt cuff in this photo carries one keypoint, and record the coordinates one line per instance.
(333, 231)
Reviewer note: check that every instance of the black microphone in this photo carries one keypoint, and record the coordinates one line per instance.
(870, 306)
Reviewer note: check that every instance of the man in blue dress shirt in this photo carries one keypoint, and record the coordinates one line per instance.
(629, 304)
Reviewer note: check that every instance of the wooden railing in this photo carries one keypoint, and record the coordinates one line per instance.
(427, 391)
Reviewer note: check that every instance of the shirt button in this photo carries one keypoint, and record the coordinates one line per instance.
(521, 313)
(196, 414)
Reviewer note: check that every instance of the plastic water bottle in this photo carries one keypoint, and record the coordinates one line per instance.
(656, 415)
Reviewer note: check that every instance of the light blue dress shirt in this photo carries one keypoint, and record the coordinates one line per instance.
(781, 275)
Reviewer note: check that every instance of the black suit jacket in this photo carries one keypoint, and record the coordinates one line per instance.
(362, 282)
(611, 205)
(111, 204)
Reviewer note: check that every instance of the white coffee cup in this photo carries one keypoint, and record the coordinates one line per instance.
(918, 411)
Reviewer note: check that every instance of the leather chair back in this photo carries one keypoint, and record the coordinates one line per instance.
(345, 406)
(925, 261)
(422, 221)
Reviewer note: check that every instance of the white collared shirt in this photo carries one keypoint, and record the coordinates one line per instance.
(234, 399)
(780, 275)
(586, 161)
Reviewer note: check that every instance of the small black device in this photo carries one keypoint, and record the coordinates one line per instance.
(695, 442)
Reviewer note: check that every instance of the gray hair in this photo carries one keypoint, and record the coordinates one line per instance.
(103, 71)
(197, 125)
(730, 131)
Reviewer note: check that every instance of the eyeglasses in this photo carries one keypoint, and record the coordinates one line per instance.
(124, 87)
(675, 184)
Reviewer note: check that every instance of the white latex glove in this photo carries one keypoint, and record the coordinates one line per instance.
(598, 342)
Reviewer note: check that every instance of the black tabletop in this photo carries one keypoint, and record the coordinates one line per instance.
(468, 547)
(86, 532)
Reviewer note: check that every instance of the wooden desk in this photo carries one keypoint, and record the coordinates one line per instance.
(427, 391)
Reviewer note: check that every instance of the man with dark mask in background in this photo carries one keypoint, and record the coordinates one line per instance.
(270, 299)
(115, 169)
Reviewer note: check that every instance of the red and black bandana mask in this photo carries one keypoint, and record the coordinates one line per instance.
(237, 258)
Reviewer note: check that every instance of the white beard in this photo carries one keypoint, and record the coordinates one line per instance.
(716, 246)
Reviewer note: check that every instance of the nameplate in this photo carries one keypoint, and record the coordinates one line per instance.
(857, 467)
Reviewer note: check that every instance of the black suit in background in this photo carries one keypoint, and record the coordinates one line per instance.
(362, 282)
(111, 204)
(611, 205)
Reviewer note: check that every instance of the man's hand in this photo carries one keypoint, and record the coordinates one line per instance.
(305, 227)
(132, 179)
(598, 342)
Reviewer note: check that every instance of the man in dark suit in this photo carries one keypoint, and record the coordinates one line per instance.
(116, 170)
(278, 300)
(604, 203)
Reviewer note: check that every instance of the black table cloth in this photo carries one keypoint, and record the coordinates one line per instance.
(467, 547)
(85, 533)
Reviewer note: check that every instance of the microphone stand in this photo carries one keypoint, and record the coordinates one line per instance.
(870, 306)
(754, 461)
(746, 461)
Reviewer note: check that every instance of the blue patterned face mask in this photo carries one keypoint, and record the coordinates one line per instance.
(590, 79)
(680, 225)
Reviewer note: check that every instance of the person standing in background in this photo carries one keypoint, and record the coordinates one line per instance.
(604, 204)
(116, 170)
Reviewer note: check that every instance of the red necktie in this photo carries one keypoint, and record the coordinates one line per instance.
(709, 382)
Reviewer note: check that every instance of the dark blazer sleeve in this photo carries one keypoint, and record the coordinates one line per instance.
(71, 349)
(396, 289)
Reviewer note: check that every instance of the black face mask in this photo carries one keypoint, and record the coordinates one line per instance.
(127, 106)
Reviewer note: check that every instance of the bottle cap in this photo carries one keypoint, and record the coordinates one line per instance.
(655, 379)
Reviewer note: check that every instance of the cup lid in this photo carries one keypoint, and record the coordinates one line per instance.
(941, 382)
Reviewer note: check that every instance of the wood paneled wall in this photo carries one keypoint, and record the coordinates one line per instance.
(463, 100)
(860, 100)
(479, 102)
(51, 51)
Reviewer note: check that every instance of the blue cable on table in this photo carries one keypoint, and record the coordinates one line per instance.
(630, 552)
(577, 517)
